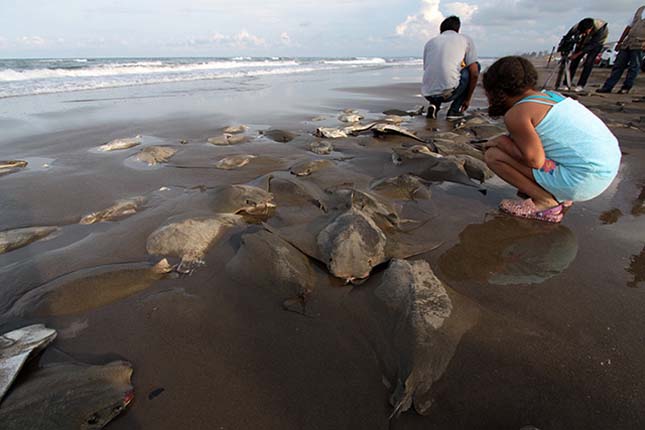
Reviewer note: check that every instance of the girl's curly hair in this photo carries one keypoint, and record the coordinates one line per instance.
(508, 77)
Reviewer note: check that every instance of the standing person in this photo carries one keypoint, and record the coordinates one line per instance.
(630, 50)
(450, 70)
(557, 151)
(592, 34)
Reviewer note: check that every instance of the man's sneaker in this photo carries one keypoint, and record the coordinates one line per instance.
(603, 91)
(624, 91)
(452, 116)
(578, 89)
(562, 88)
(432, 112)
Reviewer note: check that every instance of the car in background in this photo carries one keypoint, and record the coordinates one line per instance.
(607, 56)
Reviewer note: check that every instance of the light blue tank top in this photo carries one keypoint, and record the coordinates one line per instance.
(574, 137)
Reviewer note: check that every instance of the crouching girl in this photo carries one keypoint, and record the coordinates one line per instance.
(557, 151)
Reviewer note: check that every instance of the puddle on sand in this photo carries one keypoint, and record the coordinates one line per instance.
(507, 251)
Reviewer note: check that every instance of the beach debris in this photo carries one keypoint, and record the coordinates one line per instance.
(227, 139)
(277, 135)
(183, 141)
(190, 239)
(123, 143)
(350, 117)
(474, 167)
(12, 164)
(277, 266)
(307, 167)
(152, 155)
(69, 396)
(17, 238)
(155, 393)
(404, 186)
(419, 303)
(120, 209)
(330, 133)
(471, 121)
(16, 347)
(87, 289)
(318, 118)
(235, 129)
(240, 199)
(234, 161)
(321, 148)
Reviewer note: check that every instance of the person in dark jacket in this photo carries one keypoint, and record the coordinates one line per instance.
(592, 35)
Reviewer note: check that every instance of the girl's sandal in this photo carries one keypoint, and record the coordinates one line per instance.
(526, 209)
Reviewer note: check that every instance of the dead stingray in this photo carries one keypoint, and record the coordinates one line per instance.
(190, 239)
(330, 133)
(321, 148)
(120, 209)
(69, 396)
(16, 347)
(17, 238)
(118, 144)
(474, 167)
(227, 139)
(350, 243)
(350, 117)
(422, 322)
(12, 164)
(234, 161)
(235, 129)
(457, 147)
(380, 210)
(435, 169)
(487, 132)
(418, 111)
(408, 187)
(240, 199)
(307, 167)
(402, 153)
(277, 266)
(152, 155)
(292, 191)
(89, 289)
(385, 128)
(281, 136)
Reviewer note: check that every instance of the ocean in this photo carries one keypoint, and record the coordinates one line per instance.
(22, 77)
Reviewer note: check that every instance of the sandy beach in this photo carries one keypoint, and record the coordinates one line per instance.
(546, 328)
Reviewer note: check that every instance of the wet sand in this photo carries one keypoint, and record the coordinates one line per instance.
(552, 326)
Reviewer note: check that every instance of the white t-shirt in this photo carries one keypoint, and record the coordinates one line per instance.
(443, 58)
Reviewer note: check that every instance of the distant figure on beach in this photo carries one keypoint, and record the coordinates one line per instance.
(557, 150)
(591, 34)
(630, 53)
(450, 70)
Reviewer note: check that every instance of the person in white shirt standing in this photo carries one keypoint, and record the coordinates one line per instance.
(450, 70)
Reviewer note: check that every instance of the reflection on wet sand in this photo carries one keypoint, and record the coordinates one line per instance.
(637, 268)
(505, 251)
(638, 207)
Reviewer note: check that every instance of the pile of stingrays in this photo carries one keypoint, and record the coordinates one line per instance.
(347, 229)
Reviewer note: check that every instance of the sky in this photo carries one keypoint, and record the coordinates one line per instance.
(314, 28)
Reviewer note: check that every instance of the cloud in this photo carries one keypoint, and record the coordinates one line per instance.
(464, 11)
(32, 41)
(424, 24)
(284, 37)
(241, 40)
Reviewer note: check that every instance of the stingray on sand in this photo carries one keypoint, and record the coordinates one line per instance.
(16, 347)
(68, 396)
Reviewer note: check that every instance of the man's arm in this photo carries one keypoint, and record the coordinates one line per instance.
(473, 72)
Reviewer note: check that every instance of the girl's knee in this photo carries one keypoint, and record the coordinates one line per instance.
(492, 156)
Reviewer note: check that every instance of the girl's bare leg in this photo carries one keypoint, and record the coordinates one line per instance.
(518, 175)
